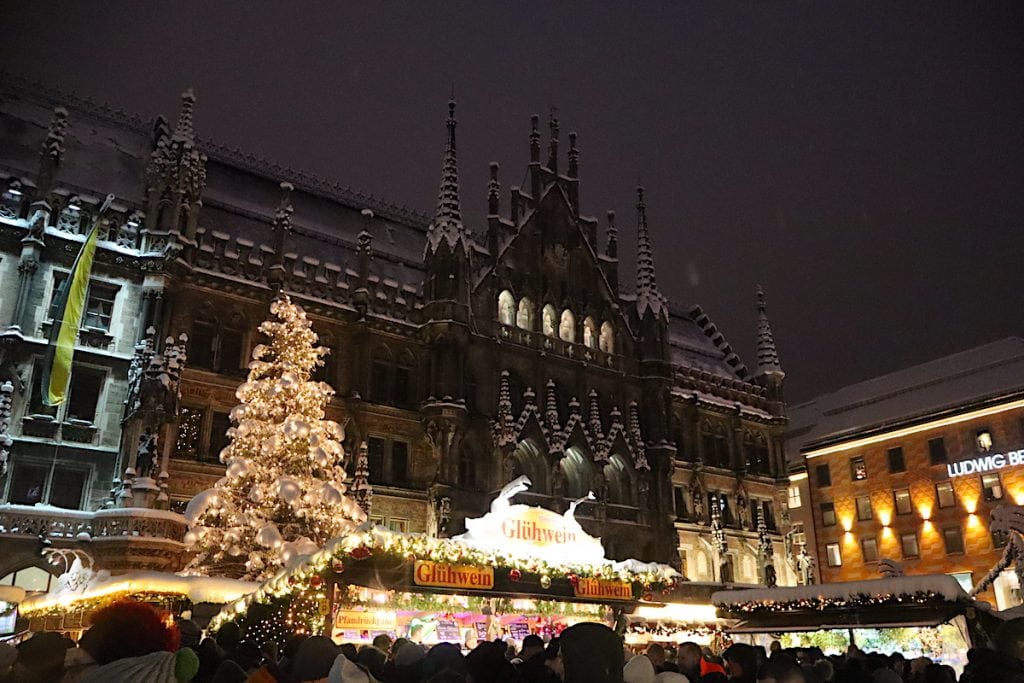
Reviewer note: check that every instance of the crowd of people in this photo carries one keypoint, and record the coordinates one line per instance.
(130, 642)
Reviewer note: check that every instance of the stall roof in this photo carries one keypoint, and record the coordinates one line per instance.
(927, 600)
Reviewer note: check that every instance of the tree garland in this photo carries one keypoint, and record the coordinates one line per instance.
(822, 603)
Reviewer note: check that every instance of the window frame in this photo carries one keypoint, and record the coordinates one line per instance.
(855, 461)
(985, 489)
(903, 547)
(935, 445)
(831, 508)
(870, 509)
(793, 494)
(92, 298)
(938, 495)
(960, 537)
(838, 555)
(896, 503)
(823, 468)
(898, 452)
(863, 549)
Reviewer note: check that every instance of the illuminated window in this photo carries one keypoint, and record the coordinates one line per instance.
(864, 512)
(524, 317)
(606, 342)
(506, 308)
(833, 555)
(858, 468)
(992, 486)
(32, 579)
(828, 514)
(896, 462)
(83, 396)
(567, 327)
(904, 505)
(823, 475)
(984, 440)
(549, 321)
(27, 484)
(794, 498)
(869, 549)
(590, 332)
(937, 450)
(954, 540)
(908, 544)
(944, 492)
(398, 525)
(768, 514)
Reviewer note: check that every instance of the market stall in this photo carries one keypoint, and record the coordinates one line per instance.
(918, 615)
(517, 570)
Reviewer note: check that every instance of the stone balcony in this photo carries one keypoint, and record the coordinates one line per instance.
(118, 539)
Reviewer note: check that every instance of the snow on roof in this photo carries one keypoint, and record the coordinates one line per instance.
(935, 585)
(978, 374)
(198, 589)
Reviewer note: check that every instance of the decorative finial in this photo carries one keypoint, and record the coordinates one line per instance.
(447, 224)
(648, 296)
(574, 157)
(553, 143)
(768, 365)
(535, 139)
(493, 191)
(612, 234)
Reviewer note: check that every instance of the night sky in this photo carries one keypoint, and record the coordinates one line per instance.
(863, 161)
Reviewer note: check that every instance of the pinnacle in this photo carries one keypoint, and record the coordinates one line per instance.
(447, 224)
(648, 296)
(767, 354)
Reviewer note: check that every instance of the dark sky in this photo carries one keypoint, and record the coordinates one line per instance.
(863, 161)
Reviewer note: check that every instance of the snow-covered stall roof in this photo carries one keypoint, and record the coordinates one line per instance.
(197, 589)
(926, 600)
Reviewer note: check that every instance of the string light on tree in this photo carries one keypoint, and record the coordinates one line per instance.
(283, 495)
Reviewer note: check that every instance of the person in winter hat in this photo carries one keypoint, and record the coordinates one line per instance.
(156, 667)
(639, 669)
(314, 659)
(345, 671)
(591, 653)
(692, 662)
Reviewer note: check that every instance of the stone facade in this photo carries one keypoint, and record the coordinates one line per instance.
(463, 356)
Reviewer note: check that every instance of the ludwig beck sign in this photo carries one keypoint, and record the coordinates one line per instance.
(527, 531)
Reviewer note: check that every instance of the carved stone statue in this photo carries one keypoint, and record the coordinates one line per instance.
(557, 480)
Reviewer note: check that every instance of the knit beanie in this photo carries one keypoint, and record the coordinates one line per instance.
(345, 671)
(639, 669)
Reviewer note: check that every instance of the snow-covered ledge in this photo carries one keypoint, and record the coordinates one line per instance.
(83, 525)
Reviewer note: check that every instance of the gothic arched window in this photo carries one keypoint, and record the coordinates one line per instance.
(550, 321)
(217, 343)
(756, 453)
(524, 317)
(606, 342)
(716, 450)
(506, 308)
(590, 333)
(567, 327)
(620, 484)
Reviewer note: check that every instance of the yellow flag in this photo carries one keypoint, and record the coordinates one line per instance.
(67, 318)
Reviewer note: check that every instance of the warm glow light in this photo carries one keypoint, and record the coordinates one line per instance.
(885, 517)
(971, 505)
(907, 431)
(972, 520)
(798, 477)
(847, 524)
(926, 511)
(928, 526)
(674, 611)
(887, 531)
(1019, 498)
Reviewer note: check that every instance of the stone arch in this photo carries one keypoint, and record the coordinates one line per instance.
(567, 326)
(530, 458)
(606, 340)
(525, 314)
(590, 332)
(549, 321)
(506, 308)
(619, 475)
(578, 467)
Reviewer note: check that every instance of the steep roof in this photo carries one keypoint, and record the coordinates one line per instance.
(974, 376)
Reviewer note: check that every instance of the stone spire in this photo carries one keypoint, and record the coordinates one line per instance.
(176, 177)
(493, 191)
(611, 249)
(647, 295)
(282, 227)
(447, 224)
(767, 355)
(183, 131)
(52, 153)
(553, 144)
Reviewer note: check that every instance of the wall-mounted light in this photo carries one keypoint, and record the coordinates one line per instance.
(847, 524)
(926, 511)
(971, 505)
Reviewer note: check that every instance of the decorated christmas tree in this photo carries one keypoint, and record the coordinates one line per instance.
(283, 495)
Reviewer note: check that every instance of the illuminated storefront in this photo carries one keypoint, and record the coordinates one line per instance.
(909, 467)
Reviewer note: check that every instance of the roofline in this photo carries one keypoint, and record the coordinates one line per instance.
(907, 426)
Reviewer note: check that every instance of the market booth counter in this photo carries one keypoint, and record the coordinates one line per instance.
(916, 615)
(517, 570)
